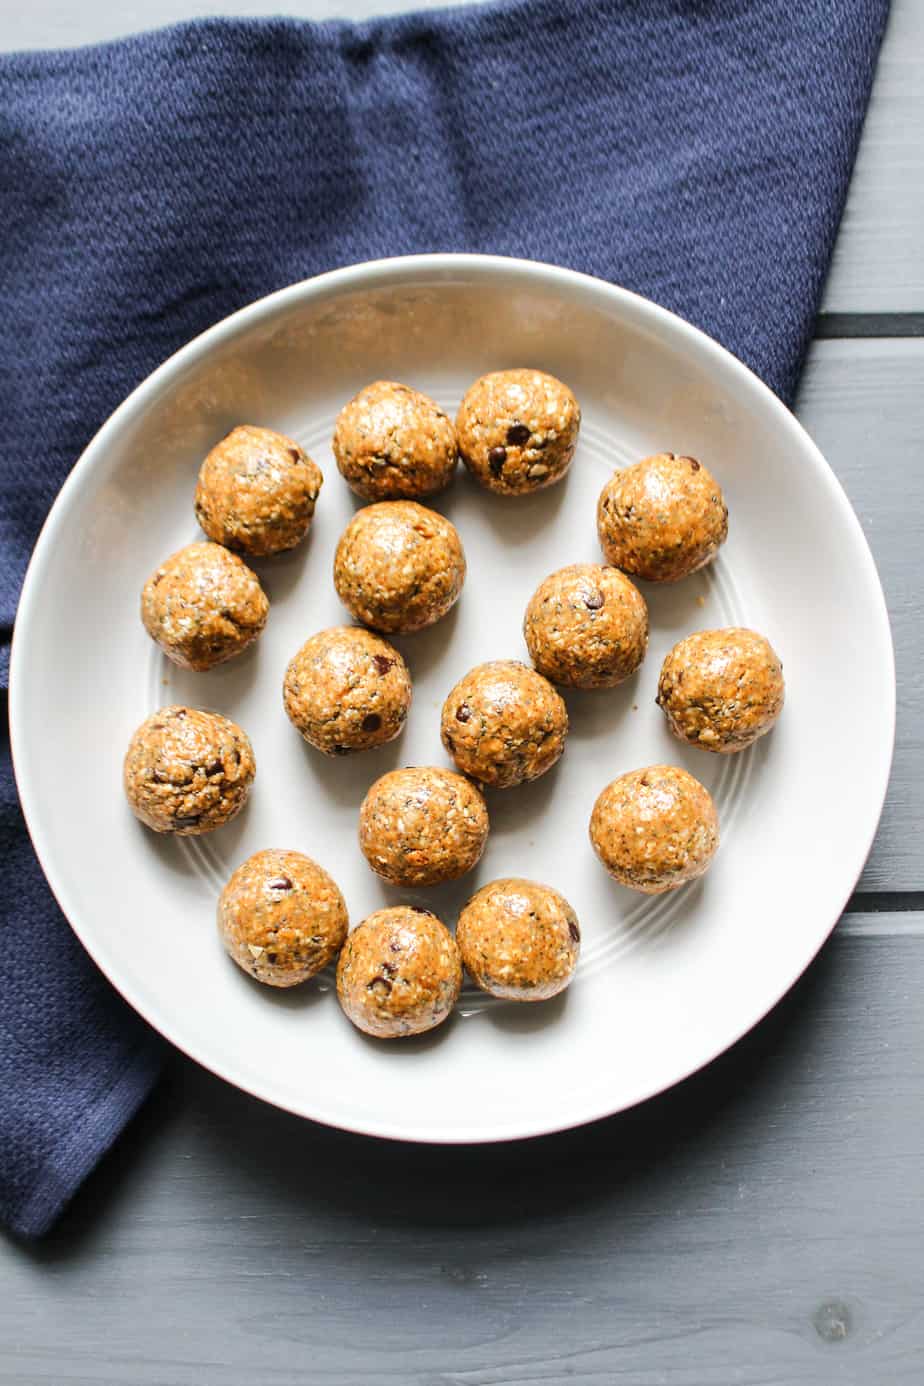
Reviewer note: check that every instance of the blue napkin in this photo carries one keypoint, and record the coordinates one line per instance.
(697, 151)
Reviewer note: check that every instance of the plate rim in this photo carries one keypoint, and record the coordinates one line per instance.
(368, 274)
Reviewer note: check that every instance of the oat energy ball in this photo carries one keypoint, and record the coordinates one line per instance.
(399, 973)
(187, 772)
(655, 829)
(519, 940)
(518, 430)
(256, 492)
(586, 626)
(203, 605)
(281, 918)
(399, 567)
(662, 519)
(721, 689)
(504, 724)
(393, 443)
(347, 690)
(422, 825)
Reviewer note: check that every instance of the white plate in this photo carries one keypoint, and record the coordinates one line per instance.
(663, 984)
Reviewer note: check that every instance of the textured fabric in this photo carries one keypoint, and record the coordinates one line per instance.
(697, 152)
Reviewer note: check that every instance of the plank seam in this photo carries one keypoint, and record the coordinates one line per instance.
(870, 325)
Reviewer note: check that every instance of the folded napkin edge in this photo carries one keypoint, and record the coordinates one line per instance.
(56, 1183)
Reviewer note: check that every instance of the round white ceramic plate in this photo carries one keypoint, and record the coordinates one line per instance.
(663, 984)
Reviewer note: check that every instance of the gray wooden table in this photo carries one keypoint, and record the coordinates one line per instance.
(762, 1223)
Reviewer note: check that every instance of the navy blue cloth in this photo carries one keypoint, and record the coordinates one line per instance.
(697, 151)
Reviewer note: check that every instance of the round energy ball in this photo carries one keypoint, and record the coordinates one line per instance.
(721, 689)
(393, 443)
(662, 518)
(256, 492)
(399, 973)
(203, 605)
(519, 940)
(586, 626)
(422, 825)
(504, 724)
(655, 829)
(281, 917)
(518, 430)
(347, 690)
(187, 772)
(399, 567)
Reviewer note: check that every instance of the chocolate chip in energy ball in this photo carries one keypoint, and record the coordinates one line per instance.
(383, 663)
(518, 434)
(371, 722)
(593, 601)
(496, 459)
(463, 713)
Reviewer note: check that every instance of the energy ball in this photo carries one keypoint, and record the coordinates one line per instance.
(519, 940)
(399, 973)
(281, 918)
(586, 626)
(203, 605)
(662, 518)
(518, 430)
(347, 690)
(422, 825)
(721, 689)
(393, 443)
(399, 567)
(504, 724)
(256, 492)
(187, 772)
(655, 829)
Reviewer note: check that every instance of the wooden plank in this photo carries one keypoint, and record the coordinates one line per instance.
(878, 263)
(863, 403)
(759, 1224)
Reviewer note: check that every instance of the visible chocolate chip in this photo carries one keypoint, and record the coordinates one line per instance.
(463, 713)
(371, 722)
(379, 986)
(181, 712)
(496, 459)
(280, 883)
(158, 577)
(593, 601)
(295, 454)
(390, 970)
(189, 822)
(449, 743)
(574, 931)
(272, 959)
(340, 750)
(421, 909)
(518, 434)
(383, 663)
(693, 463)
(157, 726)
(216, 768)
(395, 946)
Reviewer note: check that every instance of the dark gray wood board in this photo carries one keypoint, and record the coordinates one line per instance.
(761, 1223)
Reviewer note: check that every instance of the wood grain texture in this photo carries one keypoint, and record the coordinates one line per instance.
(878, 263)
(761, 1223)
(863, 403)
